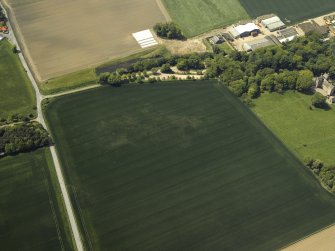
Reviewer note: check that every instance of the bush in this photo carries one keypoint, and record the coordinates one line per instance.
(166, 68)
(319, 101)
(168, 30)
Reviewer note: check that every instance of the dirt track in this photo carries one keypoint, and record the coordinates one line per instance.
(64, 36)
(321, 241)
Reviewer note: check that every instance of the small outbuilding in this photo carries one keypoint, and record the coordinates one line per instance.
(1, 37)
(244, 30)
(273, 23)
(216, 40)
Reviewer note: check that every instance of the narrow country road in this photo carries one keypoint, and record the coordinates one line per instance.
(40, 118)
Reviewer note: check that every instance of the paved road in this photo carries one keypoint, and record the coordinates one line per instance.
(60, 177)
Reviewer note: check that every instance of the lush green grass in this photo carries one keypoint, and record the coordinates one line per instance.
(308, 132)
(16, 93)
(225, 47)
(198, 16)
(70, 81)
(181, 166)
(293, 11)
(31, 212)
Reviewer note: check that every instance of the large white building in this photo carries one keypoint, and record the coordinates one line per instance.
(273, 23)
(244, 30)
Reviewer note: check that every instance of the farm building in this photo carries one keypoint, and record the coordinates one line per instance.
(260, 43)
(287, 35)
(323, 82)
(273, 23)
(216, 40)
(312, 26)
(244, 30)
(1, 37)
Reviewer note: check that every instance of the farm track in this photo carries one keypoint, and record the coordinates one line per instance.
(41, 120)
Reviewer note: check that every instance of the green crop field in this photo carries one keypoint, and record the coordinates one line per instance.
(289, 10)
(16, 93)
(307, 132)
(30, 216)
(181, 166)
(198, 16)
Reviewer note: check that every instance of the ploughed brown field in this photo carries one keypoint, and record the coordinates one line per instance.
(62, 36)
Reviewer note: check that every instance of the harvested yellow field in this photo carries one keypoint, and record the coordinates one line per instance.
(321, 241)
(62, 36)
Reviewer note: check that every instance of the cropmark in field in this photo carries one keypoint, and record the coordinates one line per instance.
(181, 166)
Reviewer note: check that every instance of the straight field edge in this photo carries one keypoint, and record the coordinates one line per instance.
(84, 235)
(57, 204)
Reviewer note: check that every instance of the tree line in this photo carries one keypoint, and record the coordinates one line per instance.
(138, 72)
(23, 137)
(291, 66)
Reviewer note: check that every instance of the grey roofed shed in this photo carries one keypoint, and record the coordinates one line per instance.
(287, 34)
(259, 43)
(273, 23)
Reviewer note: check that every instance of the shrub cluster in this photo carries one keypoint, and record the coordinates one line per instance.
(23, 137)
(324, 172)
(319, 101)
(169, 31)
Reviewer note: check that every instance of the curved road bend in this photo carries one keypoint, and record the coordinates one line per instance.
(40, 118)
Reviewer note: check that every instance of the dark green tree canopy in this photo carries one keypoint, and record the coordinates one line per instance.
(169, 31)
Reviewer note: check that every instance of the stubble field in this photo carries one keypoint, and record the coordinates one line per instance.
(181, 166)
(64, 36)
